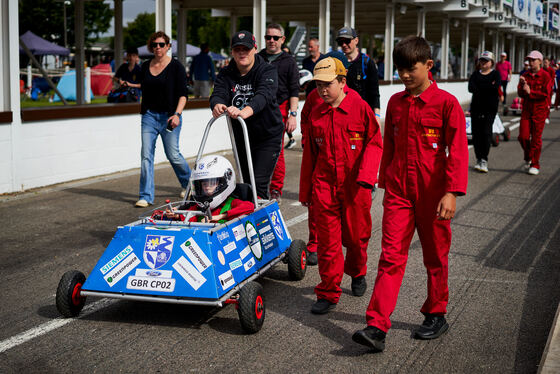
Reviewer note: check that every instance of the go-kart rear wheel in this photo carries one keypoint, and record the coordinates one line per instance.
(69, 301)
(507, 134)
(495, 139)
(251, 307)
(297, 259)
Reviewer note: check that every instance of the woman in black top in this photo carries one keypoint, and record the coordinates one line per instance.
(247, 88)
(164, 95)
(485, 86)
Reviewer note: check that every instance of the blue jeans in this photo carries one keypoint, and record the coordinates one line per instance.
(154, 124)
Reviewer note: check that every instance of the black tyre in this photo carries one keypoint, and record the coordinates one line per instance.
(69, 301)
(507, 134)
(251, 308)
(495, 140)
(297, 259)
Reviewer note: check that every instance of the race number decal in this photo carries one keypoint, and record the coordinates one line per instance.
(151, 284)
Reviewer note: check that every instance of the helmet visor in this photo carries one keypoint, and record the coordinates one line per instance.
(208, 188)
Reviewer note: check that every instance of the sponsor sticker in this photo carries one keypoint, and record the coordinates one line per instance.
(254, 240)
(154, 273)
(283, 224)
(238, 232)
(249, 264)
(221, 257)
(122, 269)
(244, 252)
(229, 247)
(189, 273)
(235, 264)
(157, 250)
(150, 284)
(266, 234)
(115, 260)
(226, 280)
(196, 255)
(277, 224)
(223, 235)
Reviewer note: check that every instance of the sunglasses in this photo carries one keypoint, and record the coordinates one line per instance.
(269, 37)
(341, 42)
(161, 45)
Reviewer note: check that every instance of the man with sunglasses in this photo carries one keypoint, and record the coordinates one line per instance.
(287, 95)
(362, 73)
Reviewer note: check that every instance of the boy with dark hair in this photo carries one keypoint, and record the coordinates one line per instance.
(339, 169)
(423, 168)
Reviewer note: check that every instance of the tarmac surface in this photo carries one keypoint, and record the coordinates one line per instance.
(504, 286)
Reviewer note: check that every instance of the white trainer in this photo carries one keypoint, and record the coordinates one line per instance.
(483, 166)
(477, 166)
(533, 171)
(183, 193)
(527, 165)
(141, 203)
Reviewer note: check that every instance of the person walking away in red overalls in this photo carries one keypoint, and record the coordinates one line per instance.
(339, 169)
(423, 169)
(534, 89)
(550, 70)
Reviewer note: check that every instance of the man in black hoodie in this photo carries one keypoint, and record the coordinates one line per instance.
(287, 95)
(247, 88)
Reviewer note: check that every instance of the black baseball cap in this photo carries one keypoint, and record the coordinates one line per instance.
(346, 33)
(244, 38)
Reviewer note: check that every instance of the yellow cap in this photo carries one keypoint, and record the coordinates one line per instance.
(328, 69)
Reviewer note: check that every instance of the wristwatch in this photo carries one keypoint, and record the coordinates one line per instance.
(293, 113)
(177, 114)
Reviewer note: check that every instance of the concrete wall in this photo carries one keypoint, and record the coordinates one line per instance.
(58, 151)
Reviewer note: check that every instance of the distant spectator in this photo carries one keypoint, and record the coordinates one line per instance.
(310, 61)
(202, 72)
(129, 72)
(525, 68)
(381, 67)
(504, 68)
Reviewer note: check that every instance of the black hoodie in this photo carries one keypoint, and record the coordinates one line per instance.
(256, 89)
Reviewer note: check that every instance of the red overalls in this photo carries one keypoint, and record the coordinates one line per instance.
(415, 173)
(311, 101)
(533, 115)
(277, 179)
(342, 147)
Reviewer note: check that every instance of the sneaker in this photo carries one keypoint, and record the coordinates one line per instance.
(547, 121)
(533, 171)
(477, 166)
(527, 165)
(312, 259)
(183, 193)
(275, 195)
(359, 286)
(483, 166)
(432, 327)
(291, 144)
(371, 337)
(142, 204)
(322, 306)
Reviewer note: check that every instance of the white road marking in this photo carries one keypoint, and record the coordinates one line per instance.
(47, 327)
(52, 325)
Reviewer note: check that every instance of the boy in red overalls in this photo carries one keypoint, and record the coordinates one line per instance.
(339, 169)
(534, 88)
(423, 168)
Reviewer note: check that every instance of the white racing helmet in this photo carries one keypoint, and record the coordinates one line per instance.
(212, 180)
(304, 77)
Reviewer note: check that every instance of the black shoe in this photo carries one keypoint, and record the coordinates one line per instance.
(291, 144)
(370, 337)
(312, 259)
(359, 286)
(322, 306)
(432, 327)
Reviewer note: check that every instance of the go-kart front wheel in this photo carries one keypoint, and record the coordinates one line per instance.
(69, 301)
(507, 134)
(495, 139)
(297, 259)
(251, 309)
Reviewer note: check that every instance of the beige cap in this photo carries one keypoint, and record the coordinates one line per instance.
(328, 69)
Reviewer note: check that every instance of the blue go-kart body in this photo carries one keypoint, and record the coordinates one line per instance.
(183, 262)
(189, 262)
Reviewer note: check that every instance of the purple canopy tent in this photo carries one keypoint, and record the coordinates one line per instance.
(40, 46)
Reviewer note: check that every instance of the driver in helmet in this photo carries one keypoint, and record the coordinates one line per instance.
(212, 183)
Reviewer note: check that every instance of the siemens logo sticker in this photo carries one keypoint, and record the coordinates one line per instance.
(125, 267)
(196, 255)
(115, 260)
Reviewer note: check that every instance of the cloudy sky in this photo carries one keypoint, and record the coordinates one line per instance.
(131, 8)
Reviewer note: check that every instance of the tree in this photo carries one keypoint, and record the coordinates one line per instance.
(137, 32)
(46, 19)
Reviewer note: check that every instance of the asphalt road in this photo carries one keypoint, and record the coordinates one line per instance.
(504, 290)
